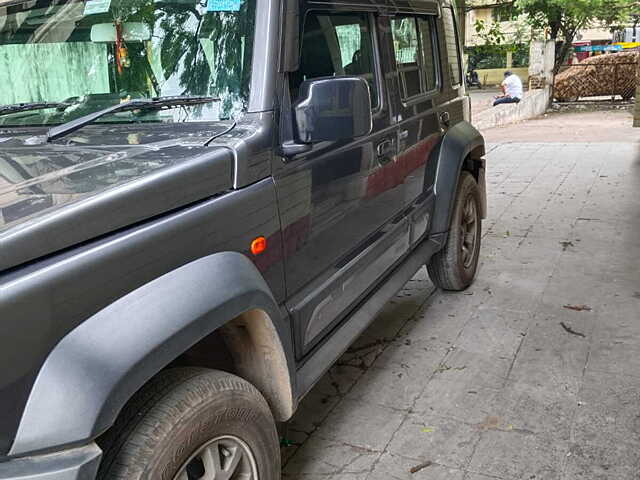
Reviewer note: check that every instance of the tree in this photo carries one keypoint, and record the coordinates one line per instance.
(561, 20)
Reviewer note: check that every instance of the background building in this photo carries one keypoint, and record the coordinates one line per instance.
(490, 59)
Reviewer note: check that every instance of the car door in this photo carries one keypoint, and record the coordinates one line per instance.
(415, 106)
(336, 210)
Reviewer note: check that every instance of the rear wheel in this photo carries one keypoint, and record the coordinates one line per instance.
(455, 266)
(193, 424)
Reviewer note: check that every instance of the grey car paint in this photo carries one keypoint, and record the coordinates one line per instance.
(143, 205)
(107, 178)
(74, 464)
(48, 299)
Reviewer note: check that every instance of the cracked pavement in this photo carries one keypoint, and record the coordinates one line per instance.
(534, 372)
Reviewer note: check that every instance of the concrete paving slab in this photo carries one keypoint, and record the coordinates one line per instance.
(518, 455)
(360, 424)
(396, 467)
(440, 440)
(466, 401)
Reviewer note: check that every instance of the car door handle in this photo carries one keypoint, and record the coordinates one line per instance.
(445, 119)
(385, 149)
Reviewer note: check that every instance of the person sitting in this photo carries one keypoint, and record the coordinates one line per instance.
(512, 90)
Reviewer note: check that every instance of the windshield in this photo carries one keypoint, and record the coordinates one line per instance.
(92, 54)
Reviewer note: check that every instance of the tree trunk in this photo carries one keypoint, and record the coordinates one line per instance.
(562, 55)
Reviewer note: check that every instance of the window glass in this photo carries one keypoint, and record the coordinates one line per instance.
(428, 52)
(91, 56)
(415, 54)
(504, 13)
(405, 44)
(451, 39)
(333, 45)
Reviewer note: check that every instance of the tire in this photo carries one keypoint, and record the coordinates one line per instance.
(450, 268)
(185, 417)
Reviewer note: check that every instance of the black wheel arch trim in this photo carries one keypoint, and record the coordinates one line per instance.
(461, 142)
(98, 366)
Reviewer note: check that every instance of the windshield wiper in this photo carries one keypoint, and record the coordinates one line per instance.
(158, 103)
(26, 107)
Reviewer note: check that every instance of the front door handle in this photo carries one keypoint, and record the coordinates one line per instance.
(385, 149)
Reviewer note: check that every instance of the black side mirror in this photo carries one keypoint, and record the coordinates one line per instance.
(333, 108)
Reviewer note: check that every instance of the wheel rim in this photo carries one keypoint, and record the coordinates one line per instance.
(223, 458)
(469, 232)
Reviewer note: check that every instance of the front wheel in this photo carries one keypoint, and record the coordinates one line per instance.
(455, 266)
(193, 424)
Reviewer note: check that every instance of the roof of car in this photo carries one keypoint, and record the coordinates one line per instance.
(424, 6)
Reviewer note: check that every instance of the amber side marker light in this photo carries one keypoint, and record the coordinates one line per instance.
(259, 245)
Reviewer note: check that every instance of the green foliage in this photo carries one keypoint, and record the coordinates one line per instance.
(491, 33)
(562, 19)
(495, 56)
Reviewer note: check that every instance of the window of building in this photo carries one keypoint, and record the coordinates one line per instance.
(334, 45)
(415, 54)
(453, 48)
(504, 13)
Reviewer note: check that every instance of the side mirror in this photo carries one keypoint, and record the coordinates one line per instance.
(333, 108)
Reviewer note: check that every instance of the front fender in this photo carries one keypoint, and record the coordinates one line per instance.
(98, 366)
(460, 142)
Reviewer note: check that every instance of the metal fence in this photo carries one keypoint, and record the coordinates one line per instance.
(605, 81)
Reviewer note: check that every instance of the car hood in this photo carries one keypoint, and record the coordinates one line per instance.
(53, 196)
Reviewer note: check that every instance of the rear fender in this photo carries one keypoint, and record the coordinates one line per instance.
(461, 143)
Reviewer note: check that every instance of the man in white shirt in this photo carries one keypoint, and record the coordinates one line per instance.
(512, 90)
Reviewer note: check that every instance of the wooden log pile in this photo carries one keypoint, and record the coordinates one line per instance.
(603, 75)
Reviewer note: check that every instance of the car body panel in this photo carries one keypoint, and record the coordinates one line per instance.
(44, 301)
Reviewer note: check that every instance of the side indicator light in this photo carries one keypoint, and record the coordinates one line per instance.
(259, 245)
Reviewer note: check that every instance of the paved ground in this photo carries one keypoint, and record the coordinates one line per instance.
(504, 381)
(482, 100)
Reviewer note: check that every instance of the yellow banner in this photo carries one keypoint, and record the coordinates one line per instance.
(628, 44)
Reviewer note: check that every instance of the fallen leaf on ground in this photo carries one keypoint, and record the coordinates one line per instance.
(570, 330)
(422, 466)
(566, 245)
(578, 308)
(490, 423)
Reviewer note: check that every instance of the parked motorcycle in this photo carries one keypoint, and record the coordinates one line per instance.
(473, 79)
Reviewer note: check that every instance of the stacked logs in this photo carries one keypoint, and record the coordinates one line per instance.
(603, 75)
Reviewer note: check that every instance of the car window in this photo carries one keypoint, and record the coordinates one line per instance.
(453, 52)
(415, 55)
(334, 45)
(405, 44)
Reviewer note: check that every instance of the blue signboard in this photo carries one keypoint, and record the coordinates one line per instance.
(224, 5)
(599, 48)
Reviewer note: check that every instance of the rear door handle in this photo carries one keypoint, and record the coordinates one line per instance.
(385, 149)
(445, 119)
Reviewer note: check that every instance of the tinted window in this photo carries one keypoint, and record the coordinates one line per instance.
(451, 39)
(334, 45)
(414, 52)
(405, 44)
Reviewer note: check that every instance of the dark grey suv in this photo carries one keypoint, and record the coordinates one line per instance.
(202, 203)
